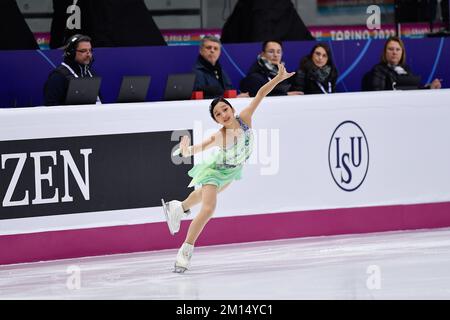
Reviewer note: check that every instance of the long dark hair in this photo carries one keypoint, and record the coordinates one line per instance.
(308, 58)
(307, 65)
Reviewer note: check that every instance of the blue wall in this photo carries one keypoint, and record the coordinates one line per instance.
(23, 73)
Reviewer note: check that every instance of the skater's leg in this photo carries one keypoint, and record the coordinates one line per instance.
(209, 199)
(175, 210)
(194, 198)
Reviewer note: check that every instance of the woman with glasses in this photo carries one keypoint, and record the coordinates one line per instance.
(265, 69)
(316, 72)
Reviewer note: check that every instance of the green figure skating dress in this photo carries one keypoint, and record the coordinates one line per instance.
(226, 165)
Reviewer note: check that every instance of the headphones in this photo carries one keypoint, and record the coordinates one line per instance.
(71, 45)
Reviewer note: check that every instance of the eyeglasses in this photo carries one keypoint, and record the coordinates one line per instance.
(273, 52)
(85, 50)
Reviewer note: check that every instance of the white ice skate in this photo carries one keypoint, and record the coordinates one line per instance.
(184, 258)
(173, 211)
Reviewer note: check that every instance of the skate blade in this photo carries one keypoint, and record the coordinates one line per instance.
(164, 205)
(179, 269)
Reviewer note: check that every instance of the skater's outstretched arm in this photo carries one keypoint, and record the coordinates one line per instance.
(247, 113)
(187, 150)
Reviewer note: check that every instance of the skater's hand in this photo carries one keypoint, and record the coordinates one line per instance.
(184, 146)
(282, 73)
(247, 113)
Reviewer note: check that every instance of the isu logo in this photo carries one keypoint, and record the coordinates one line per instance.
(348, 156)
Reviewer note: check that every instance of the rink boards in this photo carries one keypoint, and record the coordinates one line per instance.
(87, 180)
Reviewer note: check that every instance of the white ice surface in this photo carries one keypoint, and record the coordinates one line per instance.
(411, 265)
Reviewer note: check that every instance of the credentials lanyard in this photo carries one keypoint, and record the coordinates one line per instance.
(323, 89)
(73, 72)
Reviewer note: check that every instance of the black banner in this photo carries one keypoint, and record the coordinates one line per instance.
(55, 176)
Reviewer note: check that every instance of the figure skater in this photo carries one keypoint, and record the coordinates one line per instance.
(235, 140)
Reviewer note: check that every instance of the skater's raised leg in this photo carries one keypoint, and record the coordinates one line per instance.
(195, 197)
(174, 212)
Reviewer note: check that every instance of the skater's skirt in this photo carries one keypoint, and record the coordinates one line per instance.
(210, 173)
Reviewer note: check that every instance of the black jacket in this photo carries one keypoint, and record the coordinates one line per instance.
(382, 77)
(207, 81)
(257, 77)
(110, 23)
(306, 80)
(259, 20)
(14, 31)
(55, 88)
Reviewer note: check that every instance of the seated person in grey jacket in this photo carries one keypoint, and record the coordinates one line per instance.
(392, 71)
(210, 77)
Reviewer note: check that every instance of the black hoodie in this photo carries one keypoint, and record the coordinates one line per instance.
(55, 88)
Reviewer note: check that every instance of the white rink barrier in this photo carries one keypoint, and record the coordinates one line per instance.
(74, 178)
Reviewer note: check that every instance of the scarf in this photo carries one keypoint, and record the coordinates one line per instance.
(321, 74)
(398, 69)
(269, 67)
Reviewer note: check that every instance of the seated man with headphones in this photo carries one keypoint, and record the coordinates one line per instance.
(78, 59)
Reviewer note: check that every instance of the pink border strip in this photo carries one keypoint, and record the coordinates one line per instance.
(66, 244)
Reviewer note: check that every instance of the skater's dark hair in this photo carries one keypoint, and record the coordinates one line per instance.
(214, 103)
